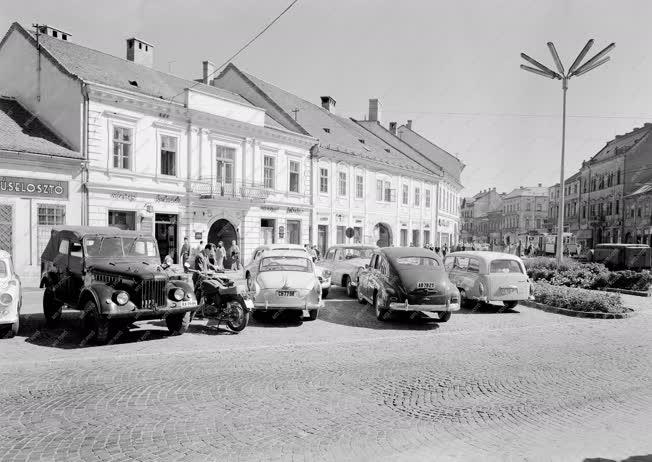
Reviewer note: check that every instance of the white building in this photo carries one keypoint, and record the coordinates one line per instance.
(164, 155)
(364, 177)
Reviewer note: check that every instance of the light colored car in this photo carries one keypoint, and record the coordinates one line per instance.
(286, 280)
(251, 268)
(11, 297)
(489, 277)
(343, 262)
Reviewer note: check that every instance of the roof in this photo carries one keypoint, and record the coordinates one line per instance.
(528, 191)
(573, 177)
(646, 188)
(81, 231)
(335, 133)
(451, 164)
(398, 252)
(622, 143)
(20, 131)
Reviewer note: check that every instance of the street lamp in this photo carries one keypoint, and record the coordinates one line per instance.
(576, 69)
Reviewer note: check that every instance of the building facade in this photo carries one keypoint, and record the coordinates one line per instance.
(638, 216)
(525, 211)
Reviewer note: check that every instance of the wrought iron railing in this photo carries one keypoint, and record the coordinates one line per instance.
(210, 188)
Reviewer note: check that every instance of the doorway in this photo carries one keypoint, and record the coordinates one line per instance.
(166, 235)
(383, 235)
(294, 231)
(322, 238)
(267, 226)
(223, 230)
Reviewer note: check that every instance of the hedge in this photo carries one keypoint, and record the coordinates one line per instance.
(577, 299)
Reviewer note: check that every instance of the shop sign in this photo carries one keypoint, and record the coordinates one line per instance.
(323, 218)
(123, 196)
(268, 208)
(168, 199)
(199, 235)
(294, 210)
(33, 187)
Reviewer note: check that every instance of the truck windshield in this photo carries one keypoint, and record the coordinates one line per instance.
(120, 247)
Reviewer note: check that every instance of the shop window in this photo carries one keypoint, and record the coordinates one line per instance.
(168, 155)
(6, 227)
(122, 141)
(49, 215)
(123, 220)
(269, 173)
(294, 176)
(323, 180)
(357, 235)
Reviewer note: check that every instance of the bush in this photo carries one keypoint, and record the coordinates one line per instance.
(570, 273)
(577, 299)
(630, 280)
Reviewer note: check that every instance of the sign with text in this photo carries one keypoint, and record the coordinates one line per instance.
(33, 187)
(167, 198)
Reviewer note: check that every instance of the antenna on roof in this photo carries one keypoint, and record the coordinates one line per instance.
(296, 111)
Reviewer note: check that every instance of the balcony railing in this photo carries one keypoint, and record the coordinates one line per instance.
(211, 188)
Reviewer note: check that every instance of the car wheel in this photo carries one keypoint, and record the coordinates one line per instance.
(350, 289)
(464, 302)
(100, 327)
(312, 314)
(324, 293)
(510, 304)
(382, 314)
(444, 316)
(251, 284)
(51, 307)
(178, 323)
(240, 317)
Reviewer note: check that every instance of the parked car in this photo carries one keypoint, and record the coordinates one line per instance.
(343, 261)
(489, 277)
(250, 270)
(286, 280)
(11, 297)
(407, 279)
(115, 277)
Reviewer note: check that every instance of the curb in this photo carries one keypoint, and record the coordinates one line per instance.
(638, 293)
(576, 314)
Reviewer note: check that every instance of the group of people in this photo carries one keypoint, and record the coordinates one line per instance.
(441, 251)
(313, 251)
(215, 254)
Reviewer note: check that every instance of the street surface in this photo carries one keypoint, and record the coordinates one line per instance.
(520, 385)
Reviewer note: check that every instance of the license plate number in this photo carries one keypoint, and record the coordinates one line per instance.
(285, 293)
(508, 290)
(184, 304)
(425, 285)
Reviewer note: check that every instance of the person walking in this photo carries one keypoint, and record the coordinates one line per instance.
(220, 255)
(444, 250)
(185, 251)
(235, 255)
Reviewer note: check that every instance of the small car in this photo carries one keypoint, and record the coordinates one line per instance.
(286, 280)
(11, 297)
(489, 277)
(343, 262)
(407, 279)
(114, 277)
(322, 273)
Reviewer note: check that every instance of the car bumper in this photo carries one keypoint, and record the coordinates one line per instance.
(325, 284)
(150, 313)
(405, 306)
(299, 306)
(504, 298)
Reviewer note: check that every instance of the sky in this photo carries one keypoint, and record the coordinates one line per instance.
(451, 67)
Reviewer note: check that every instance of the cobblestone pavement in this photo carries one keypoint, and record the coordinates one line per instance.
(520, 385)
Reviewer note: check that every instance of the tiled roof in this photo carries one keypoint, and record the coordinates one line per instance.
(529, 191)
(622, 143)
(20, 131)
(335, 133)
(573, 177)
(642, 190)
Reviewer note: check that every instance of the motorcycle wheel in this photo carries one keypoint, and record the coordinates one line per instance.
(242, 316)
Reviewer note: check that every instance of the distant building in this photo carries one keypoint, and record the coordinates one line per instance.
(482, 217)
(638, 216)
(525, 211)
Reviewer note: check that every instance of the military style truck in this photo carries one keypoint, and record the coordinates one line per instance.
(114, 277)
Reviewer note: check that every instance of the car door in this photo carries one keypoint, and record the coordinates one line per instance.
(449, 267)
(462, 280)
(364, 281)
(60, 264)
(327, 262)
(75, 279)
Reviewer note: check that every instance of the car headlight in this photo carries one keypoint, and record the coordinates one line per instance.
(326, 274)
(6, 299)
(121, 298)
(178, 294)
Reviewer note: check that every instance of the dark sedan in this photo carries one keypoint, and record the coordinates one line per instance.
(407, 279)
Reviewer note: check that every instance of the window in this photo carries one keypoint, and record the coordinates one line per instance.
(474, 266)
(404, 237)
(505, 266)
(539, 207)
(379, 190)
(49, 215)
(426, 237)
(342, 184)
(527, 223)
(357, 235)
(294, 176)
(618, 177)
(639, 212)
(461, 263)
(584, 210)
(225, 157)
(122, 220)
(63, 247)
(340, 234)
(538, 223)
(384, 267)
(122, 147)
(417, 197)
(359, 186)
(415, 237)
(427, 198)
(617, 207)
(528, 207)
(405, 194)
(323, 180)
(384, 191)
(168, 155)
(269, 172)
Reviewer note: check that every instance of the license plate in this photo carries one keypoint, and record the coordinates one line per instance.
(508, 290)
(285, 293)
(425, 285)
(182, 304)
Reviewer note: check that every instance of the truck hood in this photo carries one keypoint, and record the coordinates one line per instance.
(131, 270)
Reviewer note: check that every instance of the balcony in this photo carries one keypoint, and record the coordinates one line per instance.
(212, 188)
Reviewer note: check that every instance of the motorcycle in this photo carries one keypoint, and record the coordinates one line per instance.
(219, 298)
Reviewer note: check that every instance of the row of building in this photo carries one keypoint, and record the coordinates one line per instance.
(93, 139)
(609, 200)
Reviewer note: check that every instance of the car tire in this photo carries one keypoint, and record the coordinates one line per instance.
(312, 314)
(350, 289)
(243, 317)
(251, 285)
(101, 327)
(324, 293)
(444, 316)
(464, 302)
(51, 307)
(178, 323)
(510, 304)
(382, 314)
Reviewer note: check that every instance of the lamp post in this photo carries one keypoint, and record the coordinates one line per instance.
(575, 70)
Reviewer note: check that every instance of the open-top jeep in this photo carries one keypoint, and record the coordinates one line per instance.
(115, 277)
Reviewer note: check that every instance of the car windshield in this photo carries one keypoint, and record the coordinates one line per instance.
(411, 262)
(505, 266)
(280, 263)
(4, 269)
(120, 247)
(357, 253)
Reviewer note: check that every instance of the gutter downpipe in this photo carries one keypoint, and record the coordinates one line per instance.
(84, 169)
(314, 232)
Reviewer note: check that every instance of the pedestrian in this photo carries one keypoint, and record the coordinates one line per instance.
(444, 250)
(185, 251)
(519, 249)
(220, 255)
(317, 251)
(235, 255)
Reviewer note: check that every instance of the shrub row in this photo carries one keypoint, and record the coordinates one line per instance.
(577, 299)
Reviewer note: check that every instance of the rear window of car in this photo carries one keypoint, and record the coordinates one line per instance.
(280, 263)
(505, 266)
(3, 269)
(408, 262)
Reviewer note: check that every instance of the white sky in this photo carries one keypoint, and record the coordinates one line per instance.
(452, 67)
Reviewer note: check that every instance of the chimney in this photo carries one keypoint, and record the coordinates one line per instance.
(409, 124)
(392, 127)
(374, 110)
(208, 72)
(140, 52)
(328, 103)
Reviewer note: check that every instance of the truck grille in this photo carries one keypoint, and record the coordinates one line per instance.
(153, 294)
(106, 278)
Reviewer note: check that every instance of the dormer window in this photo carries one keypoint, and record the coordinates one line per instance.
(361, 140)
(55, 34)
(64, 36)
(386, 149)
(327, 130)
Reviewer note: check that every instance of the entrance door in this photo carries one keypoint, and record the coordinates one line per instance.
(383, 235)
(223, 230)
(166, 235)
(267, 230)
(322, 238)
(294, 231)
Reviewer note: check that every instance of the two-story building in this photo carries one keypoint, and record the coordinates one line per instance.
(168, 156)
